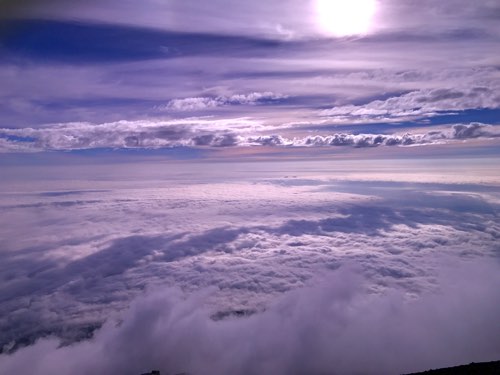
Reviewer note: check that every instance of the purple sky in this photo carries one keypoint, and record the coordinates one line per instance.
(119, 74)
(249, 187)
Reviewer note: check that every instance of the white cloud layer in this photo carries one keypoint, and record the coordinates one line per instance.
(79, 247)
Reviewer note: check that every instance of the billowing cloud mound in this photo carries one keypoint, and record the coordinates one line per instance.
(473, 130)
(333, 327)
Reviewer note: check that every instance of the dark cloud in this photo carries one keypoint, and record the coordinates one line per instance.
(441, 94)
(474, 130)
(269, 140)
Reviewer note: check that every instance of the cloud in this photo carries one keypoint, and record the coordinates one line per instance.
(456, 132)
(334, 324)
(191, 104)
(124, 134)
(70, 260)
(261, 18)
(170, 72)
(210, 133)
(474, 130)
(204, 103)
(421, 103)
(83, 236)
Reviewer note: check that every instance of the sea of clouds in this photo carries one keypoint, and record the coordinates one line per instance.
(246, 273)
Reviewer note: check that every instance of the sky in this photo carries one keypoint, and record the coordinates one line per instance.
(228, 187)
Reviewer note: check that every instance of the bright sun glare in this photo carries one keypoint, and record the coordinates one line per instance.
(345, 17)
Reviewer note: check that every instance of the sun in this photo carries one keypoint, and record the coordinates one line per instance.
(345, 17)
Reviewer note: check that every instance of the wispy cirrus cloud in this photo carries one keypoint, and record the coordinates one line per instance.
(288, 19)
(175, 72)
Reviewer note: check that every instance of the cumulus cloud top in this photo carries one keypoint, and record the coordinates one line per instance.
(207, 133)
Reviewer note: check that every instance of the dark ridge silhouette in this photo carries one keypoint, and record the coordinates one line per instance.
(484, 368)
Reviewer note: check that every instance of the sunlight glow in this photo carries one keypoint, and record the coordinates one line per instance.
(345, 17)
